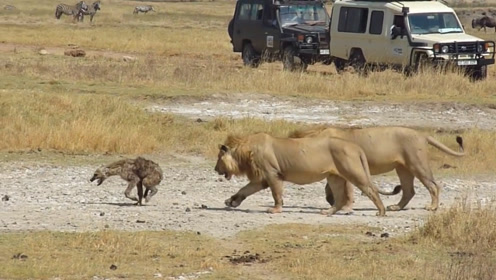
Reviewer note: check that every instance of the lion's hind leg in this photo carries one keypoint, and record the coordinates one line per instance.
(371, 191)
(337, 186)
(407, 187)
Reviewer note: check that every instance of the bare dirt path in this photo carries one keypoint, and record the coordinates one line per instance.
(49, 197)
(447, 115)
(191, 196)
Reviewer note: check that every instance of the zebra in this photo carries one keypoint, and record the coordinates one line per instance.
(92, 9)
(144, 9)
(74, 10)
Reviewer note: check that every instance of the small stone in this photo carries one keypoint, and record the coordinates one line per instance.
(183, 192)
(140, 221)
(198, 233)
(199, 120)
(188, 209)
(157, 275)
(102, 214)
(113, 267)
(385, 235)
(43, 52)
(368, 233)
(106, 226)
(5, 198)
(203, 206)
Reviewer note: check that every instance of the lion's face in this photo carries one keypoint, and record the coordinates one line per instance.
(99, 175)
(226, 164)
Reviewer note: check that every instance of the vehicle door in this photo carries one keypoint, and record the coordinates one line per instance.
(256, 26)
(242, 24)
(348, 30)
(377, 37)
(271, 30)
(398, 49)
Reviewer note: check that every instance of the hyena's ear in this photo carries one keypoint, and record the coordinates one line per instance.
(105, 170)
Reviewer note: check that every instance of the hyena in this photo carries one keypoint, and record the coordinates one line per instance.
(137, 172)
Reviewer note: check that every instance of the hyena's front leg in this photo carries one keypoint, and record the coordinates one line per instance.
(140, 192)
(130, 186)
(153, 190)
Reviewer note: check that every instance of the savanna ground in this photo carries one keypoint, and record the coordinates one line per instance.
(61, 117)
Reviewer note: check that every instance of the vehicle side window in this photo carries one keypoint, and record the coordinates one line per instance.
(256, 12)
(353, 20)
(244, 13)
(376, 22)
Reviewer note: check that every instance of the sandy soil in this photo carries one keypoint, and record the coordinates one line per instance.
(191, 196)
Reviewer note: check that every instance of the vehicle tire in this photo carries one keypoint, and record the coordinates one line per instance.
(230, 29)
(289, 62)
(478, 73)
(249, 56)
(340, 64)
(421, 63)
(357, 61)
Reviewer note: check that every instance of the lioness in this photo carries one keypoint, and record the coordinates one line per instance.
(268, 161)
(388, 148)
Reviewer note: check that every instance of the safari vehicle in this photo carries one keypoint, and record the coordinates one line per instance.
(295, 32)
(405, 35)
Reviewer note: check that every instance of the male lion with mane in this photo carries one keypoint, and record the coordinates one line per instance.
(388, 148)
(268, 161)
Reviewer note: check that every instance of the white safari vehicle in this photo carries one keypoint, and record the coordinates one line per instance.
(404, 35)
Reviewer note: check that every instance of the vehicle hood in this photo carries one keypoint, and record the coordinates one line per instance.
(444, 38)
(303, 28)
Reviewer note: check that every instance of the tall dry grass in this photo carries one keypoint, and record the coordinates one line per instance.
(93, 123)
(159, 77)
(102, 124)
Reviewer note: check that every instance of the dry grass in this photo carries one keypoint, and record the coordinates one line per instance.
(459, 243)
(91, 123)
(84, 255)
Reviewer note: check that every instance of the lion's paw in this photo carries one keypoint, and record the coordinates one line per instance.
(231, 203)
(394, 207)
(274, 210)
(430, 208)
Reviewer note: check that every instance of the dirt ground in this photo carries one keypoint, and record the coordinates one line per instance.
(47, 196)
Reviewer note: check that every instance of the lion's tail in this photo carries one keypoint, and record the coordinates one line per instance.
(365, 165)
(445, 149)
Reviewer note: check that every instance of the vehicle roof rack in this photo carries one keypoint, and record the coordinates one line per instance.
(397, 1)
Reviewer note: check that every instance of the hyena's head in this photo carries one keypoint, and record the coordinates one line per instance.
(226, 164)
(100, 174)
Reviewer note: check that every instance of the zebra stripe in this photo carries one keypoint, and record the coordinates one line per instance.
(144, 9)
(74, 10)
(92, 9)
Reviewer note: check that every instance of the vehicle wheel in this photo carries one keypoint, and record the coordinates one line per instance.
(290, 62)
(357, 61)
(340, 64)
(249, 56)
(230, 29)
(478, 73)
(421, 62)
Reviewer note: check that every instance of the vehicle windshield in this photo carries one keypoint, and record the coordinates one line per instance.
(303, 14)
(434, 23)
